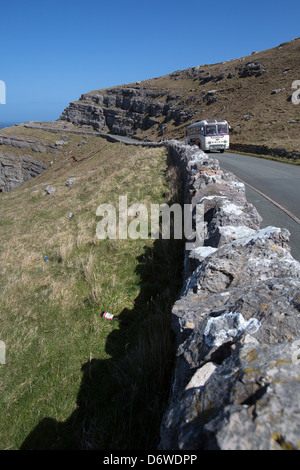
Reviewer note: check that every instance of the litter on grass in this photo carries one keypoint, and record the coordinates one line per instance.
(110, 317)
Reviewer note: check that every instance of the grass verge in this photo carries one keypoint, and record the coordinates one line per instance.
(290, 161)
(72, 379)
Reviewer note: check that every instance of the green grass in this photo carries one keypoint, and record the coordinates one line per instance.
(269, 157)
(72, 379)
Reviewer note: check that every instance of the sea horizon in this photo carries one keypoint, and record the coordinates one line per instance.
(8, 124)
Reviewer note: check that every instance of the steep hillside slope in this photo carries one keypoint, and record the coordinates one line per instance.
(253, 93)
(73, 379)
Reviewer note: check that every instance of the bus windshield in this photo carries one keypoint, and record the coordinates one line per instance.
(222, 129)
(216, 129)
(211, 130)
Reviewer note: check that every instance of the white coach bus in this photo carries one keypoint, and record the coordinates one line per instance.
(210, 134)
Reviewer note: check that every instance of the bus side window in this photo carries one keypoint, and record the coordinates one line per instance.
(202, 130)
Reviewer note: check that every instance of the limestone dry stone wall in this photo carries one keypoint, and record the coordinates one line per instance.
(237, 323)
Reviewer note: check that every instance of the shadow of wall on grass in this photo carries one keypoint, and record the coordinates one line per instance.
(121, 399)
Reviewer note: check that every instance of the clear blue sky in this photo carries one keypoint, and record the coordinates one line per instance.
(52, 52)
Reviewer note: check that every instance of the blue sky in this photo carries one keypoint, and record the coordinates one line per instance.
(52, 52)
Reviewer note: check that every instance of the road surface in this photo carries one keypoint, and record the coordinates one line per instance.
(269, 181)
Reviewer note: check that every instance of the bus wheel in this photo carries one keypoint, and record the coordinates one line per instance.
(222, 150)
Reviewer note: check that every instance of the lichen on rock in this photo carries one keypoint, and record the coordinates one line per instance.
(236, 381)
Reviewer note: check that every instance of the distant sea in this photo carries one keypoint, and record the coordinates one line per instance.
(7, 124)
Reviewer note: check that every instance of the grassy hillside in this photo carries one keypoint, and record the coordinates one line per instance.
(74, 380)
(238, 95)
(253, 93)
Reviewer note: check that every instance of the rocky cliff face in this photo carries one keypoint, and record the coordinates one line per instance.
(15, 170)
(237, 323)
(17, 164)
(125, 110)
(23, 143)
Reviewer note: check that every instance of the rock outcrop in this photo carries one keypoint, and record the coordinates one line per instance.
(237, 324)
(125, 110)
(27, 143)
(15, 170)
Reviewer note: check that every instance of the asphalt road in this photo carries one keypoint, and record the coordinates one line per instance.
(280, 182)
